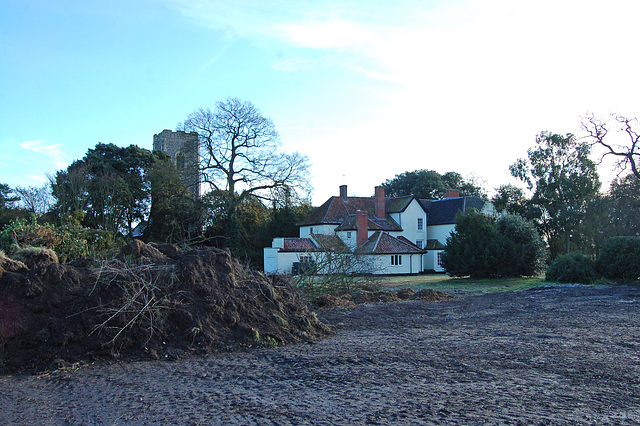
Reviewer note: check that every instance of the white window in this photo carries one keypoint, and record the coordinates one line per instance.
(396, 259)
(348, 234)
(440, 259)
(420, 223)
(420, 243)
(305, 259)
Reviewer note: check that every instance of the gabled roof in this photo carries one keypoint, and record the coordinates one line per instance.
(441, 212)
(373, 223)
(298, 244)
(338, 211)
(335, 210)
(398, 204)
(383, 243)
(330, 242)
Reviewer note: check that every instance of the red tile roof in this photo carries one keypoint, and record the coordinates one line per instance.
(373, 224)
(383, 243)
(341, 211)
(299, 244)
(330, 242)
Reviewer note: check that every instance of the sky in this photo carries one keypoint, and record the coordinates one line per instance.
(365, 89)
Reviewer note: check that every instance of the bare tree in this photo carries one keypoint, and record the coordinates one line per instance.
(335, 272)
(240, 150)
(627, 155)
(240, 156)
(36, 200)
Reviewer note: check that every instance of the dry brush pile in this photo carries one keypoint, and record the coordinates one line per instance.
(151, 301)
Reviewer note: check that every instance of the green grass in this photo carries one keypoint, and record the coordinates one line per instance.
(459, 285)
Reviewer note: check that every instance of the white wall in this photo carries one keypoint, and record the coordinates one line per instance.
(431, 260)
(409, 219)
(440, 232)
(305, 231)
(350, 242)
(411, 264)
(280, 262)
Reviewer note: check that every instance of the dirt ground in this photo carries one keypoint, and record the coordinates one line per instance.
(563, 355)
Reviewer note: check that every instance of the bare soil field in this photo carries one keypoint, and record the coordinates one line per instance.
(558, 355)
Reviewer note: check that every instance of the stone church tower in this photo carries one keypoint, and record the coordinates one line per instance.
(183, 148)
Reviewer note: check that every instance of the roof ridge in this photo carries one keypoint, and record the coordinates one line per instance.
(375, 246)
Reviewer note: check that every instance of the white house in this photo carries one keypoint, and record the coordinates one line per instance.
(377, 235)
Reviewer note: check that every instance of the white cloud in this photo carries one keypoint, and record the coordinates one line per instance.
(40, 179)
(47, 152)
(473, 80)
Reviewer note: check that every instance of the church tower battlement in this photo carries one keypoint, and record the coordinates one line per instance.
(183, 148)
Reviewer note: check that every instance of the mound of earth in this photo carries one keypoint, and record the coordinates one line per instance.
(384, 296)
(151, 301)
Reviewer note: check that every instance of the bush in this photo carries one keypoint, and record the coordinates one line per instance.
(522, 250)
(483, 247)
(572, 268)
(69, 241)
(620, 259)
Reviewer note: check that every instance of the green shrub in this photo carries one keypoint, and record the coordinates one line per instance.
(620, 259)
(483, 247)
(572, 268)
(69, 241)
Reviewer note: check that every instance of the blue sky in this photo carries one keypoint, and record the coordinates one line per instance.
(366, 90)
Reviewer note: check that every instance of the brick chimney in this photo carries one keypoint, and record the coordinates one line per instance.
(343, 192)
(380, 208)
(452, 193)
(362, 226)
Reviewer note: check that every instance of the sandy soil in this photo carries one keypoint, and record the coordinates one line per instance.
(567, 355)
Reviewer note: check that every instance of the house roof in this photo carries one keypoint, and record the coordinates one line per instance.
(373, 223)
(341, 211)
(434, 245)
(398, 204)
(440, 212)
(299, 244)
(330, 242)
(383, 243)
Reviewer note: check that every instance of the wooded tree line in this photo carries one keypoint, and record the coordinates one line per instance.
(254, 192)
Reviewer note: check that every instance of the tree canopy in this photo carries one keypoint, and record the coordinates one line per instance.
(430, 184)
(36, 200)
(483, 247)
(241, 160)
(564, 180)
(8, 205)
(108, 188)
(240, 150)
(175, 215)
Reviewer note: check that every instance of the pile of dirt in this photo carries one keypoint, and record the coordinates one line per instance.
(151, 301)
(380, 296)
